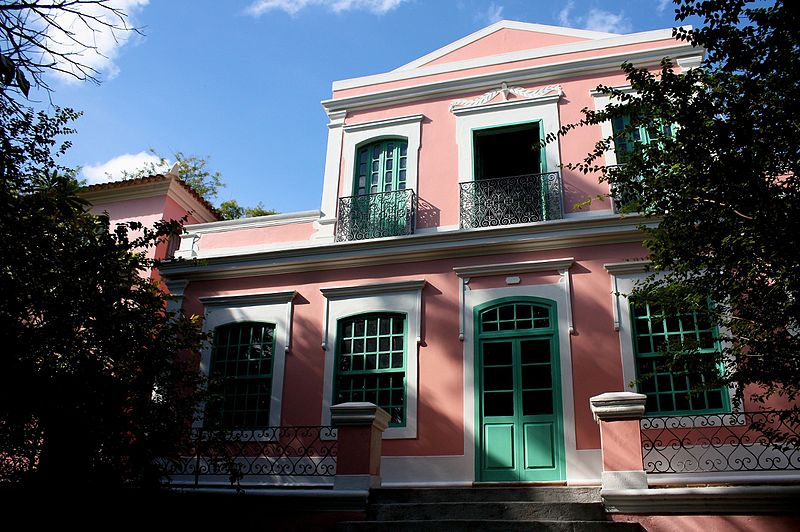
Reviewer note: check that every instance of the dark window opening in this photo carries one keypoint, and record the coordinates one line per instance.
(507, 151)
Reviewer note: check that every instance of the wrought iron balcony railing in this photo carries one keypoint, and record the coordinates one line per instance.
(376, 215)
(234, 456)
(511, 200)
(736, 442)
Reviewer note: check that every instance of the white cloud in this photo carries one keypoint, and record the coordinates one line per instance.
(94, 43)
(492, 14)
(595, 20)
(112, 169)
(292, 7)
(662, 5)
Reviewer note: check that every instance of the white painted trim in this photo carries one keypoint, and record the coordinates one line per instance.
(689, 63)
(403, 297)
(565, 279)
(740, 500)
(497, 26)
(176, 289)
(575, 461)
(549, 235)
(275, 308)
(615, 269)
(544, 110)
(521, 75)
(254, 222)
(378, 124)
(406, 127)
(508, 57)
(752, 477)
(482, 270)
(330, 185)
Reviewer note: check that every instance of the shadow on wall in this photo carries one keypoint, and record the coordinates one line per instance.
(427, 215)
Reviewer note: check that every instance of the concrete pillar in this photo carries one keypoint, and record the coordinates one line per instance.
(360, 432)
(618, 414)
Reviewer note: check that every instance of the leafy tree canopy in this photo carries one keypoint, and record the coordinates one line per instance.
(720, 195)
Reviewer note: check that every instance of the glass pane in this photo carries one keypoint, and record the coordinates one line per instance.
(498, 404)
(535, 351)
(498, 378)
(537, 403)
(536, 377)
(497, 353)
(507, 312)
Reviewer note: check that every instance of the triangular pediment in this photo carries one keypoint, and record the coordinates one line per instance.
(503, 37)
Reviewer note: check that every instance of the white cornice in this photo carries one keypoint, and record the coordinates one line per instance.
(497, 26)
(249, 299)
(483, 270)
(254, 222)
(509, 57)
(509, 104)
(617, 268)
(377, 124)
(188, 202)
(337, 292)
(742, 500)
(537, 73)
(556, 234)
(129, 192)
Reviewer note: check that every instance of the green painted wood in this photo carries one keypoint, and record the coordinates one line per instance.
(518, 395)
(382, 166)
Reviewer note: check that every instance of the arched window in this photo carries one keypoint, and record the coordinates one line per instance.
(242, 357)
(515, 317)
(371, 363)
(381, 167)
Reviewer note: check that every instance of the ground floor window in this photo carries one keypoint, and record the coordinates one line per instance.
(371, 363)
(669, 391)
(242, 361)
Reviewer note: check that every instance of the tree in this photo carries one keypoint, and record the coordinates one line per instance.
(91, 387)
(193, 170)
(44, 37)
(720, 194)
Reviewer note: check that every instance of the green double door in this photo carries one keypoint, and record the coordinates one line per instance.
(519, 400)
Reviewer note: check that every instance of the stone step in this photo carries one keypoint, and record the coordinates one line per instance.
(487, 510)
(486, 494)
(467, 525)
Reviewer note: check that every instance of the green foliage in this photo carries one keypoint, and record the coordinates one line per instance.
(721, 198)
(231, 210)
(91, 387)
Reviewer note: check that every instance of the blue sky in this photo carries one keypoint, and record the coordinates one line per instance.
(240, 81)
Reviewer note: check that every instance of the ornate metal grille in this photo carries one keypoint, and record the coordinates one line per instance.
(753, 441)
(511, 200)
(304, 451)
(376, 215)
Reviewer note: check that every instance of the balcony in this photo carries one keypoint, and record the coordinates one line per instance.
(511, 200)
(376, 215)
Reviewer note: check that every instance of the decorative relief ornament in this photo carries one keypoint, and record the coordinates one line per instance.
(505, 90)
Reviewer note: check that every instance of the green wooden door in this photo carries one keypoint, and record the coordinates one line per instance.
(518, 393)
(381, 175)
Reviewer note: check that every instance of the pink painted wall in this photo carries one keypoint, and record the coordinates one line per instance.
(506, 40)
(295, 232)
(712, 523)
(145, 210)
(595, 346)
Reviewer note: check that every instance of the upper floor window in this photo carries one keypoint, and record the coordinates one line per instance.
(242, 358)
(381, 167)
(371, 363)
(670, 391)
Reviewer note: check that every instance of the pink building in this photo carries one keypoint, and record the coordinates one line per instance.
(448, 279)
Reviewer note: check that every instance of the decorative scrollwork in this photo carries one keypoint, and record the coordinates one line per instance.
(376, 215)
(752, 441)
(505, 90)
(305, 451)
(511, 200)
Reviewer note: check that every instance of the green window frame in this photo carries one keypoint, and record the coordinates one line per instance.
(381, 166)
(624, 143)
(514, 317)
(242, 357)
(371, 362)
(668, 391)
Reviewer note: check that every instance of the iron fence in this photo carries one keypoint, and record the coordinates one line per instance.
(234, 455)
(752, 441)
(376, 215)
(511, 200)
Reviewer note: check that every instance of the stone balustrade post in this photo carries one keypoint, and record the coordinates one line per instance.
(618, 414)
(360, 432)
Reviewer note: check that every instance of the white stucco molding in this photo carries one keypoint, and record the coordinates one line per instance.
(379, 124)
(176, 289)
(741, 500)
(254, 222)
(617, 269)
(617, 406)
(404, 297)
(272, 307)
(465, 106)
(561, 266)
(330, 185)
(689, 63)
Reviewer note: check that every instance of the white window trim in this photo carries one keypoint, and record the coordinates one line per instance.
(274, 308)
(601, 101)
(403, 297)
(515, 111)
(624, 276)
(405, 127)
